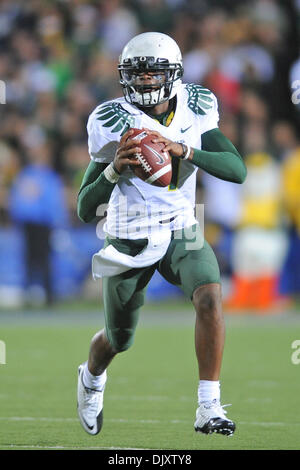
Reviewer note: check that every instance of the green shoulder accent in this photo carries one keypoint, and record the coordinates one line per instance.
(200, 99)
(116, 117)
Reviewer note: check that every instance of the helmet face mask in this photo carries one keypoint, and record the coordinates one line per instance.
(148, 80)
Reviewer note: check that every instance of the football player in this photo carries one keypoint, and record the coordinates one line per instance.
(150, 227)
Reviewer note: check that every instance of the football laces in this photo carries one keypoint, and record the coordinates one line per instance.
(144, 162)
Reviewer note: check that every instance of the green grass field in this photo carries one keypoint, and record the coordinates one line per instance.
(150, 398)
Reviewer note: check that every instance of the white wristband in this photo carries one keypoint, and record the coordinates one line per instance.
(187, 152)
(110, 173)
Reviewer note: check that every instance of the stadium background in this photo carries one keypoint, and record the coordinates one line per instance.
(58, 60)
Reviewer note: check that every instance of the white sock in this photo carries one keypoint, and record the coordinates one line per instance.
(208, 390)
(96, 382)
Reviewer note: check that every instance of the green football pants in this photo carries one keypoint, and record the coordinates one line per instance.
(188, 263)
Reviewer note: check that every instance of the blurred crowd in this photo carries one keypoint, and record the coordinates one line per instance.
(58, 60)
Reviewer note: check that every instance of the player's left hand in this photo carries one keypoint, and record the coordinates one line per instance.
(174, 148)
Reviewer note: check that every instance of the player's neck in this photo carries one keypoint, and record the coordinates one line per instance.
(158, 109)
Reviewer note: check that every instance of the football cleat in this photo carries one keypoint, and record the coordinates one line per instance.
(210, 418)
(89, 405)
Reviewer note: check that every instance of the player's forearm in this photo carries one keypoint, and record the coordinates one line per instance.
(95, 190)
(224, 165)
(220, 158)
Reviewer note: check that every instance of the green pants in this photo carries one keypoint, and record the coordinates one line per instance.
(188, 263)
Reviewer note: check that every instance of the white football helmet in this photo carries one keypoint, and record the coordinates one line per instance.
(158, 54)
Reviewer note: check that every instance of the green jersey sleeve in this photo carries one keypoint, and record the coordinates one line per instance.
(220, 158)
(95, 190)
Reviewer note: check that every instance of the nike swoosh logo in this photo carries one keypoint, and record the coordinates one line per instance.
(161, 160)
(89, 427)
(184, 130)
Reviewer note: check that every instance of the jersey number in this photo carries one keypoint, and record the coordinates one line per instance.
(175, 173)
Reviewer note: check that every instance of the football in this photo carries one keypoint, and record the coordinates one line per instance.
(156, 168)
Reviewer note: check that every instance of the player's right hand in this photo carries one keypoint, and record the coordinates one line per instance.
(126, 152)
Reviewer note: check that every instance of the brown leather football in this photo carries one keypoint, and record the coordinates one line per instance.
(156, 168)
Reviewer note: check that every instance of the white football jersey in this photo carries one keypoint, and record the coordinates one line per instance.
(137, 209)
